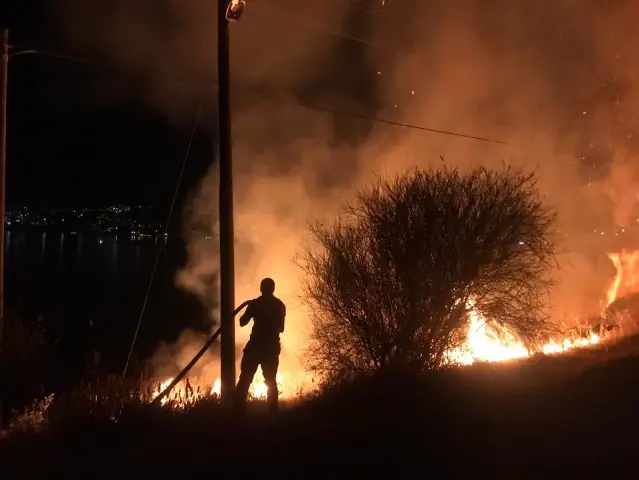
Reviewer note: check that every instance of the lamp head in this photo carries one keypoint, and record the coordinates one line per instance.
(234, 10)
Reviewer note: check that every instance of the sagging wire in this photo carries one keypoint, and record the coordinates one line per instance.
(298, 104)
(164, 237)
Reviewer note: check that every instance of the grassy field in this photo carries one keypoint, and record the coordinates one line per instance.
(563, 416)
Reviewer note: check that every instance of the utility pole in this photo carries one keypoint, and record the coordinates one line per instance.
(227, 234)
(3, 162)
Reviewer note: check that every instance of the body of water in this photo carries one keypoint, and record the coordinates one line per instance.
(89, 291)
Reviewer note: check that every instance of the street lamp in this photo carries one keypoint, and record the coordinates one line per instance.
(234, 10)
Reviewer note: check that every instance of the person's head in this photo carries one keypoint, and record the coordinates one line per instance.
(267, 286)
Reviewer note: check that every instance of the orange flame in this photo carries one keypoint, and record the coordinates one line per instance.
(485, 342)
(183, 394)
(627, 278)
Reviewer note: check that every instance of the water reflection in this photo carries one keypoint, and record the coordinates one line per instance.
(61, 250)
(70, 279)
(77, 256)
(43, 245)
(58, 253)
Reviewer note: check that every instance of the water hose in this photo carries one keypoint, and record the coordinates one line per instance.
(197, 357)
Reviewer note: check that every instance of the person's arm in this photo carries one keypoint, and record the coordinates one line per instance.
(248, 315)
(282, 317)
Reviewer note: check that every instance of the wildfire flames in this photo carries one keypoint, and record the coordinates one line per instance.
(184, 393)
(626, 281)
(485, 342)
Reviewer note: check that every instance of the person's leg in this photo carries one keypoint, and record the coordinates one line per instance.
(270, 364)
(248, 367)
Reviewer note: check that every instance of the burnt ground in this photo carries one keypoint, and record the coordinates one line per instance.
(575, 415)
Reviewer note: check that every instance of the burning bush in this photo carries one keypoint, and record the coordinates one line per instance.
(394, 280)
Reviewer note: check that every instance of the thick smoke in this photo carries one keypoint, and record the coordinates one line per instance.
(553, 79)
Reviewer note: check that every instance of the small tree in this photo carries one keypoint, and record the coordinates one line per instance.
(393, 280)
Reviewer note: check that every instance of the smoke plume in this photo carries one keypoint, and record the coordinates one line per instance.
(554, 81)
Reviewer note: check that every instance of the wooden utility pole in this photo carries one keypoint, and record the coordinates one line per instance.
(3, 162)
(227, 234)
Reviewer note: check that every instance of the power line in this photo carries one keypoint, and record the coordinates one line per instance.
(298, 104)
(401, 124)
(97, 64)
(45, 53)
(166, 228)
(269, 12)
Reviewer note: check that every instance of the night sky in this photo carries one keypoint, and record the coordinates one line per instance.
(68, 146)
(79, 134)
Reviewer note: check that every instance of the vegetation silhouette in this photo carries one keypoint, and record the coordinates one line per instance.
(392, 281)
(435, 241)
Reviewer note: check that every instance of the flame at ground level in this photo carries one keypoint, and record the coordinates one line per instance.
(485, 342)
(184, 393)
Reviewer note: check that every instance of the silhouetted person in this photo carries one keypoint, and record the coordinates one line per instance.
(263, 348)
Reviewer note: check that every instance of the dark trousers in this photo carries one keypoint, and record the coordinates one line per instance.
(266, 355)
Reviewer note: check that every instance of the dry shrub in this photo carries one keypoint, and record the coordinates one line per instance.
(393, 279)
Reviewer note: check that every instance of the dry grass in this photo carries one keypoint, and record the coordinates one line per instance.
(107, 400)
(565, 414)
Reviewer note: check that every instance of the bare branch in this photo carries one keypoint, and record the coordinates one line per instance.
(393, 278)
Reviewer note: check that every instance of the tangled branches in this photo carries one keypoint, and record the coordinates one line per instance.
(393, 280)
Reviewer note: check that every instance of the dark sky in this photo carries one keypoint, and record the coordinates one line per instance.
(70, 142)
(81, 134)
(65, 148)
